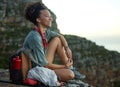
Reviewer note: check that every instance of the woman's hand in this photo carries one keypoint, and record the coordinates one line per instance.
(69, 63)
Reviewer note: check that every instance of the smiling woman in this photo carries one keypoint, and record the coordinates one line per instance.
(88, 18)
(40, 41)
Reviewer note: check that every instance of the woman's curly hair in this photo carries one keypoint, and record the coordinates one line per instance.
(32, 11)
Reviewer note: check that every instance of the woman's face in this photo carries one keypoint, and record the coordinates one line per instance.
(45, 18)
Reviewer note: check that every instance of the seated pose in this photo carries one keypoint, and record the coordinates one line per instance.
(45, 43)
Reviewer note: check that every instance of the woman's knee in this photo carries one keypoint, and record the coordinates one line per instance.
(53, 43)
(67, 75)
(71, 75)
(56, 39)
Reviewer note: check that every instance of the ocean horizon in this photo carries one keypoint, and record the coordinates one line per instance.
(110, 43)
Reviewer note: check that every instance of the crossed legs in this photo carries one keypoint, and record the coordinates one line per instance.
(55, 46)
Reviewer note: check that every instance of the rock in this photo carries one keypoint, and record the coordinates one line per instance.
(4, 79)
(77, 83)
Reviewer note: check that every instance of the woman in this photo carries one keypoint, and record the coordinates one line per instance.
(45, 43)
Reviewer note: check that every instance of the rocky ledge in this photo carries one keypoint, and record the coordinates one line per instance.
(5, 82)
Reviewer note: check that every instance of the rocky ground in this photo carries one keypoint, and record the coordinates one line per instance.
(4, 81)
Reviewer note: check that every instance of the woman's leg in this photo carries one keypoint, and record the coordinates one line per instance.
(64, 74)
(55, 46)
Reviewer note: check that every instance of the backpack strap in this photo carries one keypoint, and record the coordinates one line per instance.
(28, 53)
(25, 65)
(27, 59)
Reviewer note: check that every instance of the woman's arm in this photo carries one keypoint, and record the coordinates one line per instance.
(56, 66)
(66, 47)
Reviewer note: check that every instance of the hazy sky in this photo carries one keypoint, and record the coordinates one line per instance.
(96, 20)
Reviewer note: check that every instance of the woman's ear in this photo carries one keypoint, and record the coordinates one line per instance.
(38, 20)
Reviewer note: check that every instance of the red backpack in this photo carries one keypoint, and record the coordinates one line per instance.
(19, 65)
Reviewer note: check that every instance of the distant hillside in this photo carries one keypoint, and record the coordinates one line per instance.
(101, 66)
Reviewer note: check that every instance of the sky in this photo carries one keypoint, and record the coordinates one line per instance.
(96, 20)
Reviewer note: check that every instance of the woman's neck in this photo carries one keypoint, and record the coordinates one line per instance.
(43, 29)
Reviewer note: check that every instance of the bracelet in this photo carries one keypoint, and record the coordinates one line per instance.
(66, 47)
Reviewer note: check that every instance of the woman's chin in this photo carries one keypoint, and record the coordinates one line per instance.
(48, 26)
